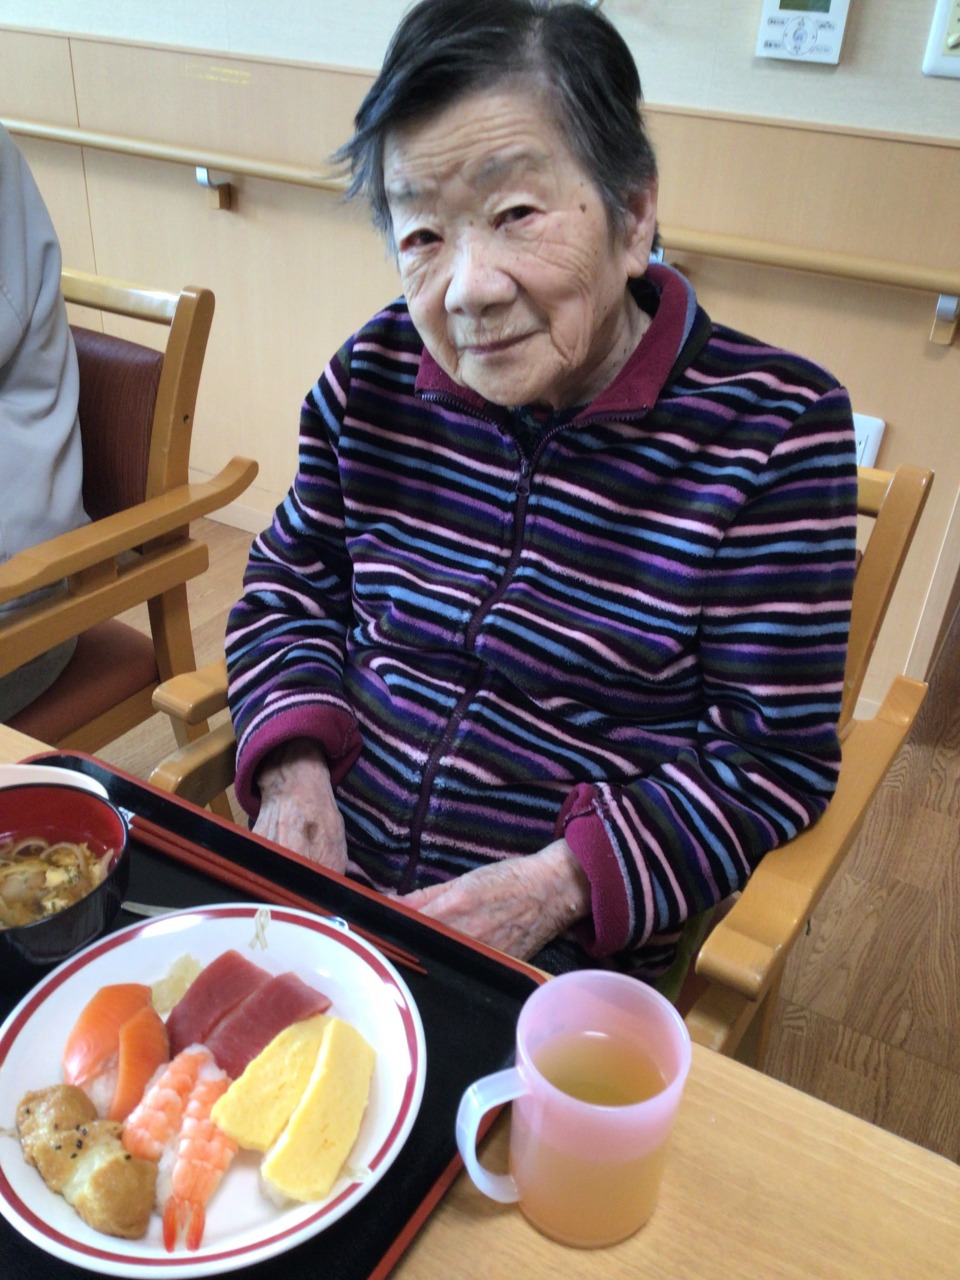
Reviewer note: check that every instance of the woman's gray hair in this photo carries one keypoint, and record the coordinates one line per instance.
(445, 49)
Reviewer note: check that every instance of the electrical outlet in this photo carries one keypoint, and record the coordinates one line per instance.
(868, 433)
(942, 57)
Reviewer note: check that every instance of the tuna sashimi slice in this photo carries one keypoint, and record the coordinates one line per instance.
(242, 1034)
(214, 992)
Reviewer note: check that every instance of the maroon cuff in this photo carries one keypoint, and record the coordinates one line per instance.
(334, 731)
(607, 928)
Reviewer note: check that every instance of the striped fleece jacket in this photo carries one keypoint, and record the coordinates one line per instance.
(625, 624)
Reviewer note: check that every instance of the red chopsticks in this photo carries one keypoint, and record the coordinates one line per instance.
(182, 850)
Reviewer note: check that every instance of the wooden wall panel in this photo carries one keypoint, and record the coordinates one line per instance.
(36, 81)
(858, 193)
(283, 268)
(285, 113)
(875, 196)
(295, 270)
(59, 173)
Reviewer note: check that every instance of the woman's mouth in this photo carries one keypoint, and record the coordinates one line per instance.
(491, 346)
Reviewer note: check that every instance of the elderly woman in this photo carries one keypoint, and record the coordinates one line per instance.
(549, 633)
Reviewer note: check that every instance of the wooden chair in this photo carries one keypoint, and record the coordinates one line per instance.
(136, 417)
(730, 1003)
(736, 975)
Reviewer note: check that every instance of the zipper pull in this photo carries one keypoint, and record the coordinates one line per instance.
(523, 480)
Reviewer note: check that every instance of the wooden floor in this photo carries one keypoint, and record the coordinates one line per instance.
(870, 1009)
(869, 1017)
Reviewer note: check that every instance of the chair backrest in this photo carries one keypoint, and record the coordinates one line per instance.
(894, 500)
(137, 404)
(118, 400)
(136, 418)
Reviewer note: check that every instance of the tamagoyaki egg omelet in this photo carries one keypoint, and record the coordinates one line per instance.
(258, 1104)
(306, 1160)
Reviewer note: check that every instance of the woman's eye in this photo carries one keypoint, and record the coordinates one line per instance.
(418, 239)
(516, 213)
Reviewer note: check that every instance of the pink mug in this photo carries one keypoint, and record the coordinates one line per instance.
(601, 1063)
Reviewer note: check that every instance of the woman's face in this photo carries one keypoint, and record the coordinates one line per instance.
(512, 274)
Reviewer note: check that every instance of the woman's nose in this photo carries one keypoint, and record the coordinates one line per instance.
(478, 279)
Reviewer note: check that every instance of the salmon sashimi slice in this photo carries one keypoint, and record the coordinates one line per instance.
(143, 1048)
(214, 992)
(248, 1029)
(95, 1037)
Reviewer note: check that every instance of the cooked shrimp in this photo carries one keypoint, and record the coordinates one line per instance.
(203, 1155)
(155, 1122)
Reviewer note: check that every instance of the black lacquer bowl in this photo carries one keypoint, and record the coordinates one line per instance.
(55, 813)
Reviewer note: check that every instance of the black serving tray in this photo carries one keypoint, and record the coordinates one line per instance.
(468, 998)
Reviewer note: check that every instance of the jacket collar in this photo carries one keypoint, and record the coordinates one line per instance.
(637, 387)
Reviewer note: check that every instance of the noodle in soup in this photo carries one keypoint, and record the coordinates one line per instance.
(40, 877)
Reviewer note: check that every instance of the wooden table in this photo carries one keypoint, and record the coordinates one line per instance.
(763, 1183)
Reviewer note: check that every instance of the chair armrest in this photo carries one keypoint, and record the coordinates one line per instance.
(194, 696)
(200, 770)
(746, 949)
(84, 549)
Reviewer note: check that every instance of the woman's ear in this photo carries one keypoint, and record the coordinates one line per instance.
(641, 228)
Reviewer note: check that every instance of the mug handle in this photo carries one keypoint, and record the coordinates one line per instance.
(482, 1096)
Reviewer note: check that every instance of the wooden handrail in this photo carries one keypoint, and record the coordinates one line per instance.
(298, 175)
(679, 239)
(819, 261)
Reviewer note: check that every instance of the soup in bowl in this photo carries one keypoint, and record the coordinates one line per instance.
(64, 868)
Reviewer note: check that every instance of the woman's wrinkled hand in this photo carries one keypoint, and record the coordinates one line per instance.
(298, 808)
(517, 905)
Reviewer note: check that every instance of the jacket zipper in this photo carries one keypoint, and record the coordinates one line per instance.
(436, 755)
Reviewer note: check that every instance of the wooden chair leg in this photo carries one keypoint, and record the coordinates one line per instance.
(752, 1049)
(172, 633)
(173, 638)
(220, 805)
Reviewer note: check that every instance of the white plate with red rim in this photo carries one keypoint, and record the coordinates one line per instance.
(243, 1225)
